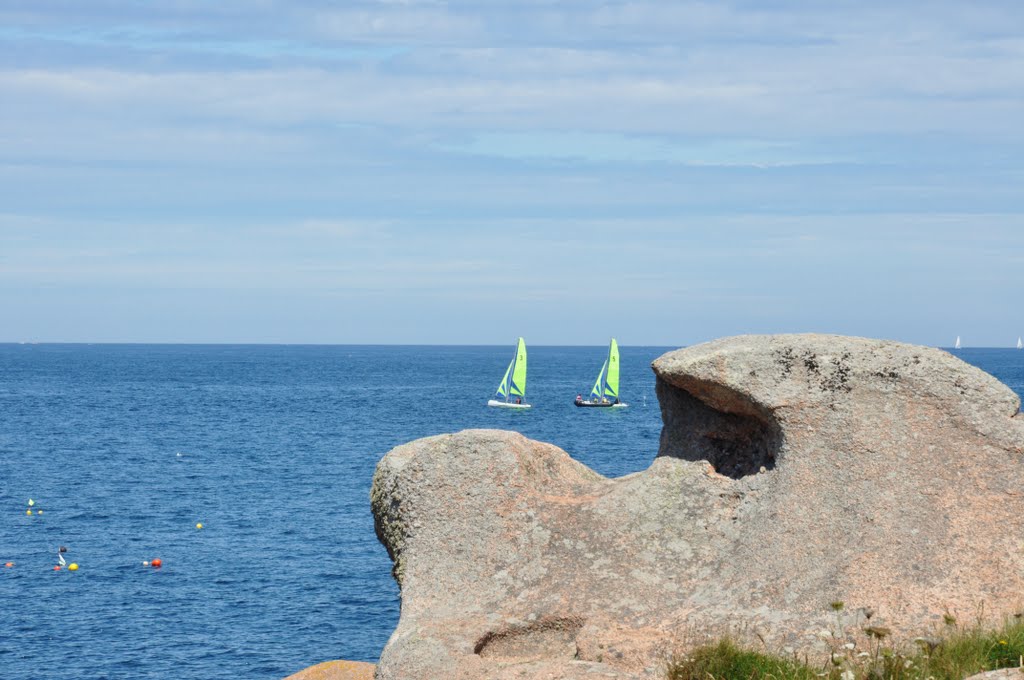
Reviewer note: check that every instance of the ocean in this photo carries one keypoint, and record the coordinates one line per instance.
(124, 449)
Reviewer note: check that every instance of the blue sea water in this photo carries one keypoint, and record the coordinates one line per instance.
(272, 448)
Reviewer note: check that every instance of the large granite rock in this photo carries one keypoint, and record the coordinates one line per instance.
(794, 473)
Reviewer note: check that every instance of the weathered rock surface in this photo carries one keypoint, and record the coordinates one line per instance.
(336, 670)
(794, 472)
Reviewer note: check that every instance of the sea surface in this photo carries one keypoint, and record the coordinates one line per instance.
(125, 448)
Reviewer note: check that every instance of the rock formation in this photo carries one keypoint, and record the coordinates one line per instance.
(806, 487)
(336, 670)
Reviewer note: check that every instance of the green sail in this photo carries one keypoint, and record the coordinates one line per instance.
(595, 391)
(503, 386)
(612, 378)
(518, 385)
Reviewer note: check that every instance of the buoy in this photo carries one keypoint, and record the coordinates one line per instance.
(145, 563)
(56, 567)
(28, 512)
(199, 525)
(73, 566)
(156, 563)
(31, 502)
(39, 512)
(8, 564)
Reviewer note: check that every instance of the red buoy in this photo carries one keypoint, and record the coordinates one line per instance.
(56, 567)
(156, 563)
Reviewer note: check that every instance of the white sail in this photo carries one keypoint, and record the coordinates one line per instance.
(1020, 343)
(956, 345)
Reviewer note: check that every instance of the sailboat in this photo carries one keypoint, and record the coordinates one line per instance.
(1020, 343)
(511, 392)
(956, 345)
(605, 392)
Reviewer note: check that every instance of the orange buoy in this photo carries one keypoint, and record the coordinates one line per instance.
(9, 564)
(157, 563)
(56, 567)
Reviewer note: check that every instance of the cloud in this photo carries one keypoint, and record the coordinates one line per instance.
(971, 98)
(397, 22)
(621, 72)
(407, 149)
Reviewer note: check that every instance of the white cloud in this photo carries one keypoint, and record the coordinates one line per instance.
(628, 68)
(402, 22)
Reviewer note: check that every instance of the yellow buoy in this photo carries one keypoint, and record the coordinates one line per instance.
(39, 512)
(28, 512)
(199, 525)
(73, 566)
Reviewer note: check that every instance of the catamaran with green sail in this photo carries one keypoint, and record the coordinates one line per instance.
(511, 391)
(605, 392)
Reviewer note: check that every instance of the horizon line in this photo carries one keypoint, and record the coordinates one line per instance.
(392, 344)
(304, 344)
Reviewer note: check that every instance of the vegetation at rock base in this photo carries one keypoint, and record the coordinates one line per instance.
(954, 656)
(726, 660)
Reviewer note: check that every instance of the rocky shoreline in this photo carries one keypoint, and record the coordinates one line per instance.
(794, 472)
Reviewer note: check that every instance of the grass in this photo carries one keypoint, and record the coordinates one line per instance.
(954, 656)
(725, 660)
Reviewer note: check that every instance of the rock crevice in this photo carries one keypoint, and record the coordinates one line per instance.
(704, 421)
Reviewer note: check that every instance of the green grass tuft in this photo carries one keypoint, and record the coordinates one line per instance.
(955, 656)
(727, 661)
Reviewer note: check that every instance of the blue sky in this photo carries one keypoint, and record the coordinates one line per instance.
(407, 171)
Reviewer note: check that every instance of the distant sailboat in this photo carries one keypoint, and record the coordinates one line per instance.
(605, 392)
(1020, 343)
(511, 392)
(956, 345)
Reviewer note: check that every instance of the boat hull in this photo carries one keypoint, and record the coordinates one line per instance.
(506, 404)
(598, 404)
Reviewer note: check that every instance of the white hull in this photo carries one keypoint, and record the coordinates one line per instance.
(506, 404)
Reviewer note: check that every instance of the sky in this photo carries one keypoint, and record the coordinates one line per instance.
(417, 171)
